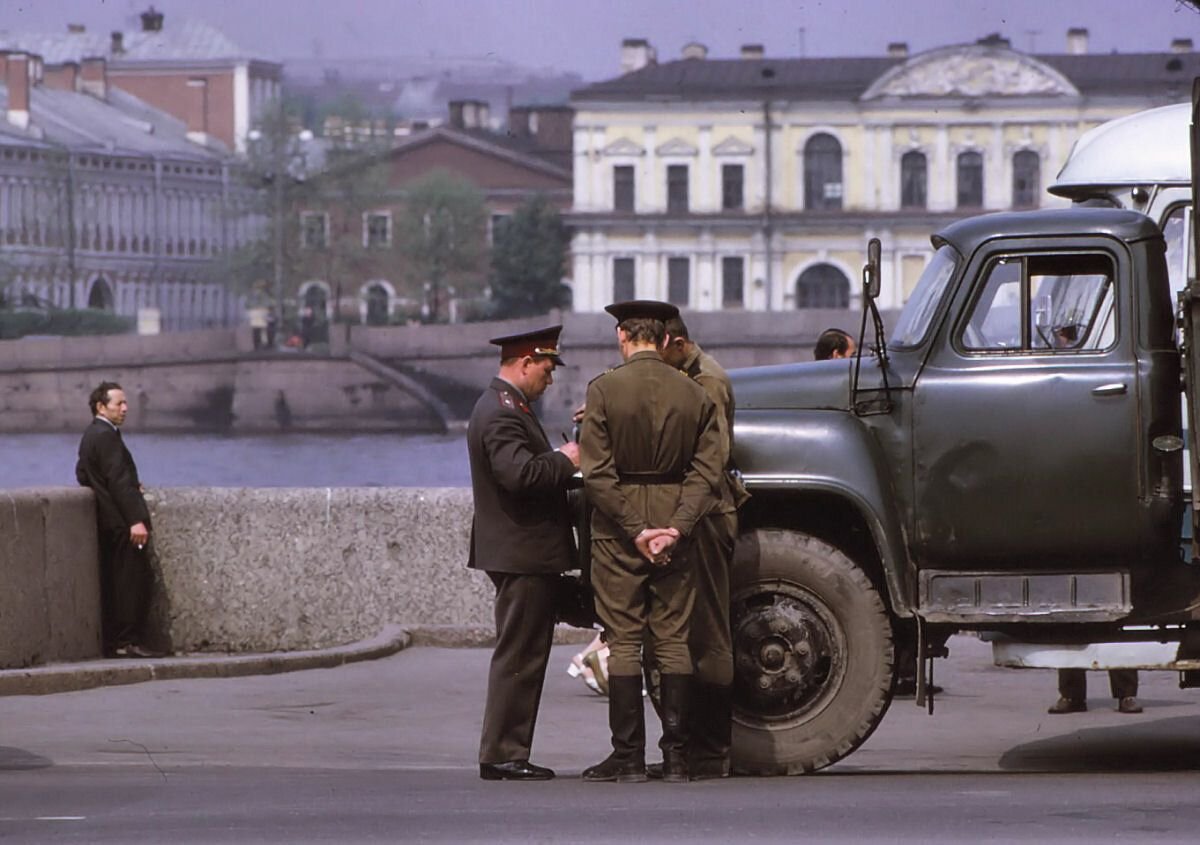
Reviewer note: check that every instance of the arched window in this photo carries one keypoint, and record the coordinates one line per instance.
(315, 298)
(822, 173)
(378, 305)
(914, 176)
(100, 296)
(1027, 179)
(822, 286)
(970, 180)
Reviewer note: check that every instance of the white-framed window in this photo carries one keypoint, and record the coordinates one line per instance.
(377, 229)
(314, 229)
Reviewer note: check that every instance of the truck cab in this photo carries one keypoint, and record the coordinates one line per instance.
(1009, 460)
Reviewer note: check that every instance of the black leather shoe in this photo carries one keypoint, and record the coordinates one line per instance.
(613, 768)
(515, 770)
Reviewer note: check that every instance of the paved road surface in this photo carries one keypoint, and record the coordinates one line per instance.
(384, 752)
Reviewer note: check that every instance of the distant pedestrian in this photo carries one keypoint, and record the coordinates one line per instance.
(521, 537)
(272, 327)
(1072, 691)
(122, 522)
(834, 344)
(308, 321)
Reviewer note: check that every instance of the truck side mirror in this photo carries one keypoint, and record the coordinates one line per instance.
(871, 270)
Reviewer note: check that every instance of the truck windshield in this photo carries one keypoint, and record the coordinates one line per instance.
(923, 304)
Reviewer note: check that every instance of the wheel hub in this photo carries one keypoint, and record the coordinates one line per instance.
(786, 648)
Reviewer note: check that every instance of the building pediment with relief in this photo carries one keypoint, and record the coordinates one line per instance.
(973, 71)
(677, 147)
(623, 147)
(733, 147)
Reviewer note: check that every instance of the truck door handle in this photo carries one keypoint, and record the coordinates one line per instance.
(1115, 389)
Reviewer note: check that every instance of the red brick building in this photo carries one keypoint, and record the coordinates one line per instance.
(506, 168)
(188, 69)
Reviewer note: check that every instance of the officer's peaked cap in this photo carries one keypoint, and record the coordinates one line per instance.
(646, 309)
(543, 342)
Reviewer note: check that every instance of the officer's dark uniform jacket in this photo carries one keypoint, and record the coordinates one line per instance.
(667, 479)
(106, 466)
(522, 523)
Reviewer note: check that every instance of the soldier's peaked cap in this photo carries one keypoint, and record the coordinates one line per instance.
(646, 309)
(542, 342)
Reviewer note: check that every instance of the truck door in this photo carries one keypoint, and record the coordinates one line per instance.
(1026, 446)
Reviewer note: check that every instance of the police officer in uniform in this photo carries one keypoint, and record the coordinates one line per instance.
(651, 458)
(521, 536)
(710, 640)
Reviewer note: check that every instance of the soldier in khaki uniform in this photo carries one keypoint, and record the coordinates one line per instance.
(650, 451)
(710, 639)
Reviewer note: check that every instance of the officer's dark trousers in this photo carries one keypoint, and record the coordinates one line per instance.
(1072, 683)
(525, 607)
(125, 583)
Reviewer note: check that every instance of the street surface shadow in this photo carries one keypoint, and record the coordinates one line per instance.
(1162, 745)
(18, 759)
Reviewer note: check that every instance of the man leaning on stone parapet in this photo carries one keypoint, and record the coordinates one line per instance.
(123, 525)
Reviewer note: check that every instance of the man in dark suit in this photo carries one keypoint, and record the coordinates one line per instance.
(122, 522)
(521, 536)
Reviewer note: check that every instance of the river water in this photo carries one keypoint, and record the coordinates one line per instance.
(278, 460)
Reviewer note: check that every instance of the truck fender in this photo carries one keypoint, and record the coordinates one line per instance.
(828, 452)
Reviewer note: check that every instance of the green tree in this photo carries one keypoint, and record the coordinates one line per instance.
(272, 189)
(528, 258)
(441, 235)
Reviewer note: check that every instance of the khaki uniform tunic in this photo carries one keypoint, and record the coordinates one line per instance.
(650, 451)
(710, 638)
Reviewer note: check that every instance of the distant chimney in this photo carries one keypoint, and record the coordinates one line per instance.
(63, 77)
(76, 28)
(1077, 41)
(752, 51)
(152, 20)
(518, 121)
(196, 110)
(16, 77)
(469, 114)
(694, 50)
(897, 50)
(1181, 45)
(117, 46)
(93, 77)
(636, 53)
(994, 39)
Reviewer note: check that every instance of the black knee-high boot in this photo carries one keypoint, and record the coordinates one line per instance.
(627, 720)
(676, 694)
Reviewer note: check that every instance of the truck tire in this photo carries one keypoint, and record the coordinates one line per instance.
(812, 648)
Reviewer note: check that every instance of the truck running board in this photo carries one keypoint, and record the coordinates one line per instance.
(1024, 596)
(1132, 655)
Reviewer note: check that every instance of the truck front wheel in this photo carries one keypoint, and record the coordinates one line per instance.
(812, 648)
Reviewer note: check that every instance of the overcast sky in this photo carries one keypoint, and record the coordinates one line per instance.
(585, 37)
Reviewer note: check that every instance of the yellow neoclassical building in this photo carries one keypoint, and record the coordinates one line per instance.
(755, 183)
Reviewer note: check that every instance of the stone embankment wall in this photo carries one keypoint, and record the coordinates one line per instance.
(216, 381)
(244, 570)
(198, 381)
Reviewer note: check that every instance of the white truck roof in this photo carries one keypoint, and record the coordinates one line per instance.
(1147, 148)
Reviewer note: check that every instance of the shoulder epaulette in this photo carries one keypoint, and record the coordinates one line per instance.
(606, 372)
